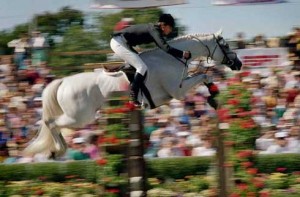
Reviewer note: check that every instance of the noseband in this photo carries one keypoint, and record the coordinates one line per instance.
(226, 60)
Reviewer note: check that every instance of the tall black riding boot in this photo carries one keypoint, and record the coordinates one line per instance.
(135, 87)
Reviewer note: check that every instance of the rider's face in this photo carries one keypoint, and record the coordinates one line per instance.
(166, 29)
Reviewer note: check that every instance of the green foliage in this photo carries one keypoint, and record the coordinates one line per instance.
(178, 168)
(54, 171)
(175, 168)
(117, 130)
(75, 40)
(278, 181)
(53, 24)
(58, 23)
(270, 163)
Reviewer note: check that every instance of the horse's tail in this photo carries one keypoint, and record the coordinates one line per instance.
(44, 142)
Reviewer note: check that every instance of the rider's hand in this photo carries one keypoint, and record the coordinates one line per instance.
(187, 55)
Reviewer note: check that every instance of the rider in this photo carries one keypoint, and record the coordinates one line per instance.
(123, 41)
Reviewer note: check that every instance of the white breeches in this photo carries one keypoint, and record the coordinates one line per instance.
(120, 47)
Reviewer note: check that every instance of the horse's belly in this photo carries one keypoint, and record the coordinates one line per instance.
(79, 102)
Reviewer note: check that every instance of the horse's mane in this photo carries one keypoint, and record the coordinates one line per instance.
(180, 38)
(189, 37)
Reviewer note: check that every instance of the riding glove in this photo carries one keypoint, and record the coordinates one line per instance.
(187, 55)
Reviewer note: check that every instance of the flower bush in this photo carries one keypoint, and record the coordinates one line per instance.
(240, 138)
(55, 189)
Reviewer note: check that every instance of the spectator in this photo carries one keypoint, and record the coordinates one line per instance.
(281, 144)
(240, 42)
(166, 148)
(76, 151)
(92, 148)
(206, 149)
(259, 41)
(38, 46)
(294, 139)
(266, 139)
(21, 49)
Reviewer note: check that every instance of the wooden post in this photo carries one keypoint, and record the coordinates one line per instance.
(221, 161)
(136, 162)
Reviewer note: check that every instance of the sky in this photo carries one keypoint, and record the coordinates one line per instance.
(199, 16)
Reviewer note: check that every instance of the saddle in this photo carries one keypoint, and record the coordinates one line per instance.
(130, 71)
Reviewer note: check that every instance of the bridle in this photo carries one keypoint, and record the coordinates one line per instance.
(226, 60)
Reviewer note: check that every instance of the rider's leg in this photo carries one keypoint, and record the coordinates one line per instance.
(135, 87)
(123, 51)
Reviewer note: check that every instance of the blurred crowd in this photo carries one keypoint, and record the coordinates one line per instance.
(181, 128)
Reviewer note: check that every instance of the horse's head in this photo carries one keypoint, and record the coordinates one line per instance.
(224, 54)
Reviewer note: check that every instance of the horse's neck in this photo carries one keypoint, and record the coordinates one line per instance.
(197, 45)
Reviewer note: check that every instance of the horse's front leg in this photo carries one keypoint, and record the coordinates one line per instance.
(194, 80)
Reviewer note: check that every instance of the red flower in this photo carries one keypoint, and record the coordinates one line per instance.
(247, 164)
(239, 110)
(39, 192)
(228, 164)
(252, 171)
(229, 143)
(114, 191)
(259, 184)
(101, 162)
(223, 114)
(296, 173)
(250, 194)
(245, 74)
(70, 176)
(234, 195)
(264, 194)
(242, 186)
(234, 92)
(245, 153)
(280, 169)
(114, 140)
(42, 178)
(233, 102)
(248, 124)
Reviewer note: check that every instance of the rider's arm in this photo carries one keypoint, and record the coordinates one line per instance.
(161, 43)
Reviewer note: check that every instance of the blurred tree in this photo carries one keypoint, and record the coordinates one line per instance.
(53, 24)
(58, 23)
(107, 22)
(75, 40)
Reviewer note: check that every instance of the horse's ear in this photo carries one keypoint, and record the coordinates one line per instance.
(219, 33)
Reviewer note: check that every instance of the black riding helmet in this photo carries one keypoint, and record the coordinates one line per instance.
(167, 19)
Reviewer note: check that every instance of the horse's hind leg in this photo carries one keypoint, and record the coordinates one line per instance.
(54, 125)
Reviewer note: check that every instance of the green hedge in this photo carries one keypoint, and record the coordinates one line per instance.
(176, 168)
(270, 163)
(54, 171)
